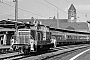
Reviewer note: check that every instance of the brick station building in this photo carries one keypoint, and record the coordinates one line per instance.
(69, 23)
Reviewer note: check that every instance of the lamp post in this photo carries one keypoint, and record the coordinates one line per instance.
(16, 16)
(57, 19)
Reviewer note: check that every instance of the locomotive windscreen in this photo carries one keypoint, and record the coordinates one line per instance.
(24, 36)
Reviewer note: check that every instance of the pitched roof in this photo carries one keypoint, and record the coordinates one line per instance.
(23, 20)
(52, 22)
(74, 25)
(6, 29)
(48, 22)
(63, 23)
(72, 7)
(70, 28)
(63, 20)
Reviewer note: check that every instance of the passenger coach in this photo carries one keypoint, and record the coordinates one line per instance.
(67, 37)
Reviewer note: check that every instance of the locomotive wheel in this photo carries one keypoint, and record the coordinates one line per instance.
(14, 49)
(21, 51)
(26, 51)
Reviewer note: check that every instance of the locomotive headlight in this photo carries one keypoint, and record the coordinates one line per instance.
(13, 46)
(17, 47)
(26, 47)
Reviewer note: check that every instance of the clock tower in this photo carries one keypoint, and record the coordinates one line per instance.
(72, 14)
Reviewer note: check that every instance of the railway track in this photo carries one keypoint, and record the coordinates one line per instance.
(13, 56)
(59, 53)
(9, 56)
(5, 51)
(51, 53)
(16, 56)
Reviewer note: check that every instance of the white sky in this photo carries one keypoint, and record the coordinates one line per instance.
(43, 8)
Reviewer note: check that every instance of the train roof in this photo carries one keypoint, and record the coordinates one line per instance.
(69, 31)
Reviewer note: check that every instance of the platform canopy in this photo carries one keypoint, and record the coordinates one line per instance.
(69, 31)
(6, 29)
(11, 24)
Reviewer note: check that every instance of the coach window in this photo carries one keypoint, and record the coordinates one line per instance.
(68, 36)
(78, 37)
(72, 37)
(48, 35)
(60, 37)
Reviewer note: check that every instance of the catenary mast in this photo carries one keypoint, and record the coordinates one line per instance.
(57, 19)
(16, 16)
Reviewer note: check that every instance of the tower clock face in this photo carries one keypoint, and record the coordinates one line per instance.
(72, 18)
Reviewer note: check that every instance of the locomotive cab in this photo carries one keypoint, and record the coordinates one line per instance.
(25, 40)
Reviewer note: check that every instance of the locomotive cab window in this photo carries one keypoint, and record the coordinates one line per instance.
(33, 34)
(39, 36)
(48, 35)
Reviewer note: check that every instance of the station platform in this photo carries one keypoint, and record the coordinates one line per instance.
(5, 46)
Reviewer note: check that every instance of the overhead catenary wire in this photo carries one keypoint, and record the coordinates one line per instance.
(58, 7)
(68, 2)
(8, 15)
(55, 6)
(45, 5)
(24, 10)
